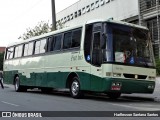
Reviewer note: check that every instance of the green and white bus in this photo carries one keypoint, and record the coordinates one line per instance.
(103, 56)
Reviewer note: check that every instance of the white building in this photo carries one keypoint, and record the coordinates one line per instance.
(84, 10)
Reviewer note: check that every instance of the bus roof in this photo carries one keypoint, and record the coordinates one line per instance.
(45, 35)
(74, 27)
(118, 22)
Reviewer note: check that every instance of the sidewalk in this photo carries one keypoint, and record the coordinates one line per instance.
(158, 80)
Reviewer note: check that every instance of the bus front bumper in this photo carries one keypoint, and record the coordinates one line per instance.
(128, 85)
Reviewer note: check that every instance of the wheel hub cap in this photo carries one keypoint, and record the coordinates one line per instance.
(75, 88)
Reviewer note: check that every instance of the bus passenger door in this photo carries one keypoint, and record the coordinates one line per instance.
(96, 58)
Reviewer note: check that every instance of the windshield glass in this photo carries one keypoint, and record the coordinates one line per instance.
(130, 45)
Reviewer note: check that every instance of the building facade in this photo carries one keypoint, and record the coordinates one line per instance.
(85, 10)
(150, 16)
(143, 12)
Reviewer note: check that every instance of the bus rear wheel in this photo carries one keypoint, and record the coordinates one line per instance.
(17, 86)
(114, 95)
(75, 88)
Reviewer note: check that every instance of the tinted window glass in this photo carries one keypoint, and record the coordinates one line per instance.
(30, 48)
(37, 47)
(20, 50)
(25, 50)
(50, 44)
(10, 53)
(43, 46)
(96, 44)
(96, 58)
(76, 37)
(16, 52)
(57, 42)
(67, 40)
(40, 46)
(88, 43)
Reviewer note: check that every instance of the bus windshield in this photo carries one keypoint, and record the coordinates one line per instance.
(131, 45)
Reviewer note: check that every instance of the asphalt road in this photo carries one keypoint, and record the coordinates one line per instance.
(34, 100)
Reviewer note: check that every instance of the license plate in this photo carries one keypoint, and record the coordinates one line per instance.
(116, 88)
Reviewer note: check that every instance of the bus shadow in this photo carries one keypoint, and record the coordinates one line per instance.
(99, 97)
(54, 92)
(129, 99)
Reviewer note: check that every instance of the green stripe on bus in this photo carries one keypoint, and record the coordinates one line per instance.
(88, 82)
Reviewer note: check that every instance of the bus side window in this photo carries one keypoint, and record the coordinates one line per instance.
(67, 40)
(30, 48)
(10, 53)
(43, 46)
(76, 38)
(25, 53)
(18, 51)
(37, 47)
(50, 44)
(57, 42)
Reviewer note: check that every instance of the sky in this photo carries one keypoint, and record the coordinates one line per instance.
(18, 15)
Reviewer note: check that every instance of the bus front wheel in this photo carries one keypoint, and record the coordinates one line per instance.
(17, 86)
(75, 88)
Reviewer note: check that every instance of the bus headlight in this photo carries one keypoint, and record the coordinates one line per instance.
(152, 78)
(116, 74)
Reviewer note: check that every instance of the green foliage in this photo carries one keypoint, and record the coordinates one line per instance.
(41, 28)
(1, 60)
(60, 25)
(158, 66)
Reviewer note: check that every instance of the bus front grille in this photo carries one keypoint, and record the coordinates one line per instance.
(135, 76)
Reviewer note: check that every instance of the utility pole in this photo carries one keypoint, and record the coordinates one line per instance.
(53, 15)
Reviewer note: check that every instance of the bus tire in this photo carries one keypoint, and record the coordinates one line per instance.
(114, 95)
(17, 86)
(75, 88)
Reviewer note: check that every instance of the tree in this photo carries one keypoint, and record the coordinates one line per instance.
(1, 60)
(41, 28)
(60, 25)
